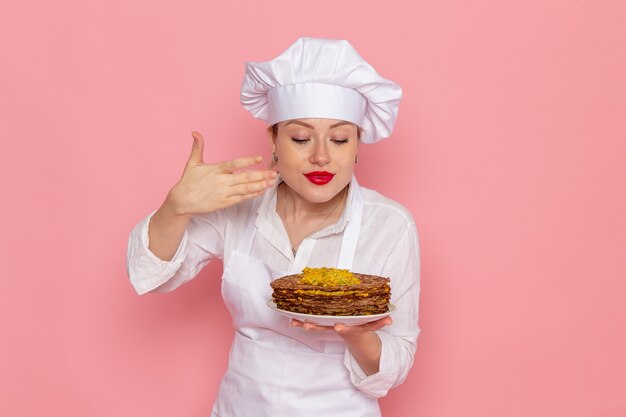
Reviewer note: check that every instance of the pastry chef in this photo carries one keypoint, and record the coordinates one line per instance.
(321, 101)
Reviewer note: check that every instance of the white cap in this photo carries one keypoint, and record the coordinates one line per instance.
(322, 78)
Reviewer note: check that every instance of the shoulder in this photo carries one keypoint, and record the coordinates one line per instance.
(388, 238)
(378, 207)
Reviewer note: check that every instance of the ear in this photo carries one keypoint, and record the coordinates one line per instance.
(272, 139)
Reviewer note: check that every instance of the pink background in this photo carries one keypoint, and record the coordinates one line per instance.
(510, 151)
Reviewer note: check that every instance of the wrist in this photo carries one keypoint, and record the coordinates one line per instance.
(169, 214)
(366, 349)
(172, 209)
(359, 337)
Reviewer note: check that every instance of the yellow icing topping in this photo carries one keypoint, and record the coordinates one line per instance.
(328, 277)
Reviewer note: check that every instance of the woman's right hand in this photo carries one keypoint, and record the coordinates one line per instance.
(205, 188)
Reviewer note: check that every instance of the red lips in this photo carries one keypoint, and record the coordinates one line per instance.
(319, 177)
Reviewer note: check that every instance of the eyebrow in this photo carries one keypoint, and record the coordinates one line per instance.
(298, 122)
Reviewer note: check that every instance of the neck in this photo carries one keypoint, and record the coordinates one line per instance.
(298, 208)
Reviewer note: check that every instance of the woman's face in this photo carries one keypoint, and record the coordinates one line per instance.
(316, 157)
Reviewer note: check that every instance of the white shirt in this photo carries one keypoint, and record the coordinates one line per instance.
(388, 246)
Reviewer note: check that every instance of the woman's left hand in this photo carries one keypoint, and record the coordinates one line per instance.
(346, 332)
(361, 340)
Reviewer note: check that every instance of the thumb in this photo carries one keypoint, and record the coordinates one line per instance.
(197, 149)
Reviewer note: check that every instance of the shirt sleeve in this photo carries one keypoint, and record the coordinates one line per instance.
(399, 340)
(202, 241)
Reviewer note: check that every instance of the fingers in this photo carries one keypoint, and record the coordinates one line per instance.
(197, 149)
(242, 197)
(252, 176)
(371, 326)
(342, 328)
(235, 164)
(250, 187)
(309, 326)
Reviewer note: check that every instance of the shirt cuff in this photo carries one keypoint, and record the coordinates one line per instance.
(145, 270)
(378, 384)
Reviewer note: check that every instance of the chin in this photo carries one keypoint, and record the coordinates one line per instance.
(319, 197)
(321, 193)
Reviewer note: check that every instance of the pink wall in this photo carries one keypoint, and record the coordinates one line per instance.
(510, 151)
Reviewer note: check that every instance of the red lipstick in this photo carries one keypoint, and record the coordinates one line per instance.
(319, 177)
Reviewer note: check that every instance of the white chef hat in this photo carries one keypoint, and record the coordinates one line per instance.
(322, 78)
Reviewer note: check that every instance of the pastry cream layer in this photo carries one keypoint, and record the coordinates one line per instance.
(333, 293)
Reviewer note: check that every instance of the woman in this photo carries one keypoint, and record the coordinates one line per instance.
(320, 99)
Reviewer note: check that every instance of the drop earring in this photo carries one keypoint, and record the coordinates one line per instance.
(274, 157)
(356, 159)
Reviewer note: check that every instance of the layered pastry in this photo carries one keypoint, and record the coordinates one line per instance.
(332, 292)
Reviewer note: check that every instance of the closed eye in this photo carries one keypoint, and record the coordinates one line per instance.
(340, 141)
(299, 140)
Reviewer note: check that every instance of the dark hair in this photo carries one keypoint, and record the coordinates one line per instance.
(274, 129)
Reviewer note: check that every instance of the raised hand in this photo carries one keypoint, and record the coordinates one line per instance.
(205, 188)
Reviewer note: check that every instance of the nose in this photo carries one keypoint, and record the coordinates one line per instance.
(320, 154)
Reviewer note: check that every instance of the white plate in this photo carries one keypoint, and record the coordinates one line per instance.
(330, 320)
